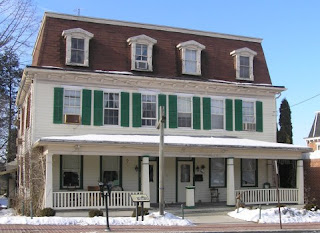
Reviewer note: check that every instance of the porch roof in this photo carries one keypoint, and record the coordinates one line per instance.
(191, 141)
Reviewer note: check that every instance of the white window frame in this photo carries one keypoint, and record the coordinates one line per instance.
(73, 106)
(143, 40)
(251, 125)
(180, 98)
(224, 112)
(244, 52)
(213, 171)
(191, 45)
(77, 33)
(148, 118)
(105, 108)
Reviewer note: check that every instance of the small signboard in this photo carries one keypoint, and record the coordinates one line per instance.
(140, 198)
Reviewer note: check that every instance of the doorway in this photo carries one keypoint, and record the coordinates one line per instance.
(185, 178)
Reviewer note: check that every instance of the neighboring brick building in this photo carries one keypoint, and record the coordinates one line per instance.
(312, 163)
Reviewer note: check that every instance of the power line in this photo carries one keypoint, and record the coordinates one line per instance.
(303, 101)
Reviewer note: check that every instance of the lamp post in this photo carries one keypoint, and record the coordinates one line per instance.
(108, 193)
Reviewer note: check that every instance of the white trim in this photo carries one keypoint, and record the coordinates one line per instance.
(72, 87)
(143, 40)
(150, 26)
(77, 33)
(148, 91)
(111, 90)
(244, 52)
(192, 46)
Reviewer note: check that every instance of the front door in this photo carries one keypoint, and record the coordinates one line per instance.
(153, 181)
(185, 178)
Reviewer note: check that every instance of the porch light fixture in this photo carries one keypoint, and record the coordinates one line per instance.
(136, 168)
(105, 196)
(197, 169)
(202, 168)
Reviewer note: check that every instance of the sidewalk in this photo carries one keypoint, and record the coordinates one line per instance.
(207, 218)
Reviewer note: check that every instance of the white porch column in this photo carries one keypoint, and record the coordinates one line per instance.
(231, 199)
(48, 198)
(145, 179)
(300, 182)
(269, 172)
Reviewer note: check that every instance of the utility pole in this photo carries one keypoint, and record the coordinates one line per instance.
(277, 186)
(161, 160)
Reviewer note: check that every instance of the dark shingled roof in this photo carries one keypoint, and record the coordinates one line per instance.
(315, 129)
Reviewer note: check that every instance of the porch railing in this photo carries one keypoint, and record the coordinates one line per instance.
(266, 196)
(92, 200)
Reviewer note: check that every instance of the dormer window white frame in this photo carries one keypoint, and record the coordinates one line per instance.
(191, 57)
(141, 52)
(244, 63)
(77, 46)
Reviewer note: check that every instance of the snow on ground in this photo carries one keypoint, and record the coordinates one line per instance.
(288, 215)
(7, 216)
(3, 202)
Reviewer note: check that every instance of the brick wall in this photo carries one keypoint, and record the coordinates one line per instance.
(109, 50)
(312, 177)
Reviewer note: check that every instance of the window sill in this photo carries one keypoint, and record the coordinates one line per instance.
(194, 74)
(245, 79)
(77, 64)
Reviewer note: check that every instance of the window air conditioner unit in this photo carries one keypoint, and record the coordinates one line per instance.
(71, 119)
(141, 65)
(249, 127)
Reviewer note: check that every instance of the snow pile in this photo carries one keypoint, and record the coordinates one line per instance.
(7, 217)
(288, 215)
(3, 202)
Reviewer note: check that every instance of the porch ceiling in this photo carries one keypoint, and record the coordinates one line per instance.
(182, 141)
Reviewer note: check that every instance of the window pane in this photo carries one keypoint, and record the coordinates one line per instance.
(71, 170)
(185, 173)
(111, 108)
(248, 112)
(217, 172)
(244, 61)
(249, 168)
(217, 114)
(149, 110)
(111, 169)
(71, 104)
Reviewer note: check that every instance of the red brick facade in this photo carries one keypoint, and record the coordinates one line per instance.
(312, 177)
(110, 51)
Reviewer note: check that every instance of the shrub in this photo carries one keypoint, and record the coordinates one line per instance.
(311, 206)
(145, 212)
(95, 212)
(47, 212)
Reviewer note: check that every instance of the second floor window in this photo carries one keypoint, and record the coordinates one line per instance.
(217, 114)
(111, 108)
(248, 117)
(71, 102)
(77, 50)
(149, 110)
(184, 112)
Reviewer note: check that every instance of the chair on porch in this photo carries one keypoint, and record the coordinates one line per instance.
(214, 192)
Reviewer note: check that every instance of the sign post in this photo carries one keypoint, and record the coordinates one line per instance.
(136, 198)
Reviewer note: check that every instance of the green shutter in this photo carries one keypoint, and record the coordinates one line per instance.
(86, 107)
(259, 115)
(162, 101)
(136, 110)
(58, 105)
(98, 108)
(173, 116)
(206, 113)
(125, 109)
(238, 115)
(229, 115)
(196, 113)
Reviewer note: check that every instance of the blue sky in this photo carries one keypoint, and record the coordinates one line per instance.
(290, 30)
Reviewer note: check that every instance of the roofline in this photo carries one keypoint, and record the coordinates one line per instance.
(113, 74)
(149, 26)
(45, 142)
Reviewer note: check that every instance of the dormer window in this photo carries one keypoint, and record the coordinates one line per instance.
(141, 52)
(77, 46)
(191, 57)
(244, 63)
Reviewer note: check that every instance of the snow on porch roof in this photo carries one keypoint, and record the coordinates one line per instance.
(215, 142)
